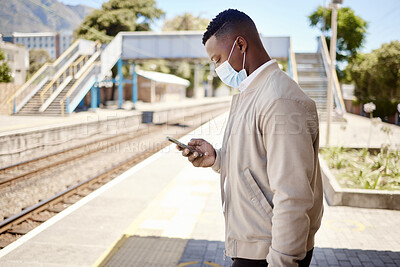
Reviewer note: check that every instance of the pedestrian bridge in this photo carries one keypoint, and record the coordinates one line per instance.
(59, 87)
(182, 44)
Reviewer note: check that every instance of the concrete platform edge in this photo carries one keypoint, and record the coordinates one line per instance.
(79, 204)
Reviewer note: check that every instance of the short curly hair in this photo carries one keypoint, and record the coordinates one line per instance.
(225, 22)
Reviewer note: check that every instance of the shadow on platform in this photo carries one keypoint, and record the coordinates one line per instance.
(141, 251)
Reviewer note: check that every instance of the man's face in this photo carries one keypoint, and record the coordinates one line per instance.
(218, 51)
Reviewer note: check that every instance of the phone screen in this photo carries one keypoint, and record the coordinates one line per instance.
(182, 145)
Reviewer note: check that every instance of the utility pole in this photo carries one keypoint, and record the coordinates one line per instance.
(210, 89)
(196, 93)
(335, 4)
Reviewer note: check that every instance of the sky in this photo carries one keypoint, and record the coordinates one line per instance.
(287, 17)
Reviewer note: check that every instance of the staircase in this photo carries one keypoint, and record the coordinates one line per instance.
(75, 70)
(55, 107)
(33, 105)
(312, 79)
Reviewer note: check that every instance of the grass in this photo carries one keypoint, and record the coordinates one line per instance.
(360, 168)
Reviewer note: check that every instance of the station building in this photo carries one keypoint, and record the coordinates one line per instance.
(55, 43)
(17, 58)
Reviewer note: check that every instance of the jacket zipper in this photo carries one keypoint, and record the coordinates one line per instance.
(227, 191)
(233, 110)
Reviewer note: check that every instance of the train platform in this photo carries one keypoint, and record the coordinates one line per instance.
(165, 212)
(25, 137)
(360, 132)
(14, 124)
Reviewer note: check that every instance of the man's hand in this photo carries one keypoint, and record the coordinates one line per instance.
(208, 158)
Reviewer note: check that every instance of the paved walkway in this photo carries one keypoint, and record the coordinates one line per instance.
(358, 131)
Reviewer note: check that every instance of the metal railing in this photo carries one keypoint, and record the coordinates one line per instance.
(72, 70)
(337, 92)
(292, 65)
(91, 72)
(49, 89)
(21, 96)
(16, 101)
(77, 65)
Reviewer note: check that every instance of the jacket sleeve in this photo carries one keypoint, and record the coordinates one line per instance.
(217, 164)
(290, 154)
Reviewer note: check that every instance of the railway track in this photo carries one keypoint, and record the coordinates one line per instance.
(19, 224)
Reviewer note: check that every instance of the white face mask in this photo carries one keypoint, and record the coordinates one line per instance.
(229, 75)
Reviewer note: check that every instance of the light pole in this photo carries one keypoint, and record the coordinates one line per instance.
(335, 4)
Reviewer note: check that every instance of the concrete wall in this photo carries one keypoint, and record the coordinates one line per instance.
(6, 91)
(21, 145)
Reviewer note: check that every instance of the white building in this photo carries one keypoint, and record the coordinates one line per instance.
(42, 40)
(17, 58)
(54, 43)
(66, 39)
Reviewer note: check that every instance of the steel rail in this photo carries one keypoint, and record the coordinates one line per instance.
(117, 168)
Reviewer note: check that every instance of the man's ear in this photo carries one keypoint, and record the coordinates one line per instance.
(242, 43)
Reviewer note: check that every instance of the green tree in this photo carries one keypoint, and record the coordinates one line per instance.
(37, 58)
(5, 72)
(186, 22)
(116, 16)
(351, 30)
(185, 68)
(376, 77)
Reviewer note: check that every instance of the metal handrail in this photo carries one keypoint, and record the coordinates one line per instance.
(47, 70)
(55, 81)
(96, 46)
(66, 52)
(335, 78)
(28, 83)
(73, 87)
(73, 69)
(83, 58)
(80, 79)
(293, 62)
(41, 70)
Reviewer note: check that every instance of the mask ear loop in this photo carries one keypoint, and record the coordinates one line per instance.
(244, 59)
(233, 46)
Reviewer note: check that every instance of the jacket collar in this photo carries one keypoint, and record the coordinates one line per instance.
(259, 77)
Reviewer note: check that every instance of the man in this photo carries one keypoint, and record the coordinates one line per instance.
(270, 178)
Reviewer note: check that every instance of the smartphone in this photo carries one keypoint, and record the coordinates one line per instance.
(181, 145)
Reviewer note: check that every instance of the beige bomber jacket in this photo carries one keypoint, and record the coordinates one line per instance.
(269, 159)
